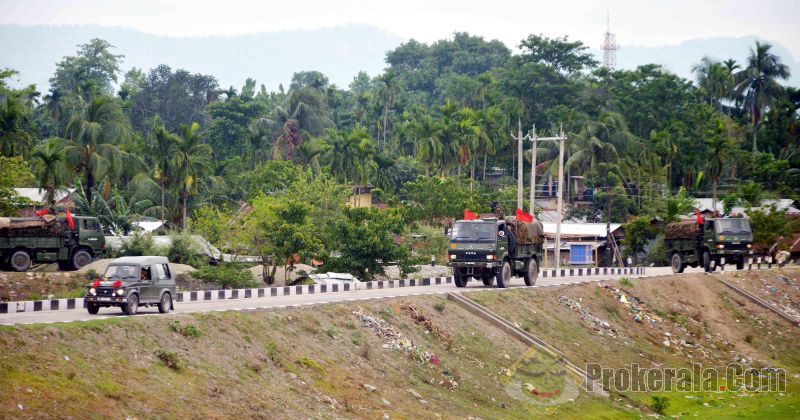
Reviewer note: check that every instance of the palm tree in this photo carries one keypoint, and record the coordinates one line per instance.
(712, 77)
(385, 172)
(191, 161)
(718, 147)
(93, 136)
(429, 144)
(730, 66)
(389, 86)
(759, 83)
(50, 172)
(14, 125)
(492, 127)
(161, 150)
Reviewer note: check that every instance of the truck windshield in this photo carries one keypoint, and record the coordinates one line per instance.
(473, 232)
(733, 226)
(121, 272)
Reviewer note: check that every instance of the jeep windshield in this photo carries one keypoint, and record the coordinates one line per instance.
(122, 272)
(733, 226)
(473, 232)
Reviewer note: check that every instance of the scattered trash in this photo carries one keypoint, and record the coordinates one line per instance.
(20, 407)
(66, 357)
(368, 387)
(385, 402)
(419, 318)
(635, 305)
(600, 326)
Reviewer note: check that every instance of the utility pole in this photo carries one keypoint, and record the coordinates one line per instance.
(533, 169)
(519, 138)
(561, 138)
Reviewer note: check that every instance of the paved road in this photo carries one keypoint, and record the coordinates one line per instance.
(298, 300)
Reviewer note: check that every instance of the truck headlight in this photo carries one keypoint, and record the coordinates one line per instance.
(92, 291)
(721, 246)
(452, 256)
(490, 257)
(120, 292)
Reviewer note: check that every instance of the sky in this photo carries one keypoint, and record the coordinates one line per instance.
(635, 22)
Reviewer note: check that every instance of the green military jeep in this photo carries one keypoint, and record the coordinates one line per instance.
(133, 282)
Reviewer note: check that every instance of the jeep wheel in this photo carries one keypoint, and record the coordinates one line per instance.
(459, 280)
(132, 306)
(677, 263)
(707, 262)
(531, 272)
(81, 258)
(165, 304)
(488, 279)
(503, 277)
(20, 260)
(93, 308)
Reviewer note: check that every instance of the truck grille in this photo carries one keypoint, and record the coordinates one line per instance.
(471, 255)
(105, 291)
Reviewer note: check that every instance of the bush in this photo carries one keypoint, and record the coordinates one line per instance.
(138, 245)
(189, 331)
(170, 360)
(659, 404)
(228, 276)
(183, 251)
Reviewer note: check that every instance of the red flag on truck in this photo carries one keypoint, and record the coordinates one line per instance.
(70, 222)
(524, 217)
(468, 215)
(41, 213)
(700, 220)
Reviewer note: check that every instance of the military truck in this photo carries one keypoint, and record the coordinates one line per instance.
(494, 250)
(49, 239)
(690, 243)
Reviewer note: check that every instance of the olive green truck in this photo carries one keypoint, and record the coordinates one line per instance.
(710, 244)
(493, 250)
(49, 239)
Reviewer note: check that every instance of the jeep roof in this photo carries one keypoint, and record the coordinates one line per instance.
(144, 260)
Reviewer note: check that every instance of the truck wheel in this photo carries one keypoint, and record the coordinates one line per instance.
(132, 306)
(488, 279)
(677, 263)
(459, 280)
(20, 260)
(707, 262)
(503, 277)
(165, 303)
(93, 308)
(81, 258)
(740, 264)
(531, 272)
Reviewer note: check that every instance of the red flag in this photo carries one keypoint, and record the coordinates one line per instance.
(700, 220)
(524, 217)
(468, 215)
(41, 213)
(70, 222)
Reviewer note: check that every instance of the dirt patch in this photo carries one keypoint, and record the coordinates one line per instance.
(780, 288)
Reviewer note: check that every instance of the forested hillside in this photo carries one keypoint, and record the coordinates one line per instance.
(429, 132)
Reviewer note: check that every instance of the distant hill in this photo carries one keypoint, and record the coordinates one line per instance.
(680, 58)
(272, 57)
(269, 57)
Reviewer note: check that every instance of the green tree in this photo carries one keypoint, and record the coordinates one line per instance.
(14, 173)
(192, 159)
(89, 73)
(637, 233)
(15, 128)
(719, 146)
(50, 160)
(759, 83)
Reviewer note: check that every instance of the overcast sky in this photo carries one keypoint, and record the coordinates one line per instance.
(636, 22)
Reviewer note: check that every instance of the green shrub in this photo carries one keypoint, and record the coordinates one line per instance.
(138, 245)
(189, 331)
(170, 360)
(439, 306)
(183, 251)
(659, 404)
(272, 351)
(228, 276)
(309, 363)
(625, 282)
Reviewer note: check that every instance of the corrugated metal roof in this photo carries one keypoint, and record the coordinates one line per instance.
(580, 229)
(705, 204)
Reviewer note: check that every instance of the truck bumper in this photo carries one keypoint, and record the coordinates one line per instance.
(469, 268)
(106, 301)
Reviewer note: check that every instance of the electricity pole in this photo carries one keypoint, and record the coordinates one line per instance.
(533, 169)
(561, 138)
(519, 138)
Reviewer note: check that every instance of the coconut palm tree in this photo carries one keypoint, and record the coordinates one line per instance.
(429, 144)
(387, 91)
(192, 160)
(50, 171)
(718, 148)
(758, 82)
(14, 125)
(92, 142)
(491, 122)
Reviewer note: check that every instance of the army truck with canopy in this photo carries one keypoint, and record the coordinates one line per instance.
(494, 250)
(709, 243)
(50, 239)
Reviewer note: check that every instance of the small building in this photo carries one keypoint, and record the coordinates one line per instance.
(361, 196)
(36, 197)
(582, 244)
(156, 227)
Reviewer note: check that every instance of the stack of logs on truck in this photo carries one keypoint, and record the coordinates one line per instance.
(709, 243)
(71, 243)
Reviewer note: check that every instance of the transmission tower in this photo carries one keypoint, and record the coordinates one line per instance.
(610, 46)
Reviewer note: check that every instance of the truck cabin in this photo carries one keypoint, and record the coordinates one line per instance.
(483, 231)
(733, 226)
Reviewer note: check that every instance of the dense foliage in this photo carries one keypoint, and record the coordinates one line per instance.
(268, 172)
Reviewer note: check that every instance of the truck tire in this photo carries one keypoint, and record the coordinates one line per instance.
(458, 279)
(132, 306)
(488, 279)
(503, 277)
(740, 264)
(531, 272)
(93, 308)
(165, 303)
(20, 260)
(707, 262)
(677, 263)
(81, 258)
